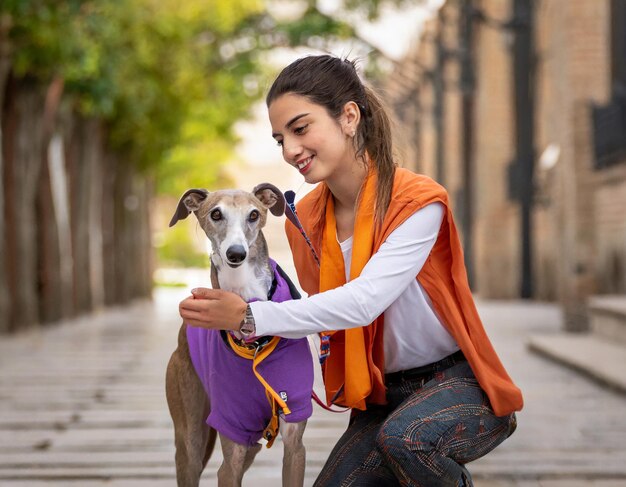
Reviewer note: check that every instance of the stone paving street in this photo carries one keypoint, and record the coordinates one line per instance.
(82, 404)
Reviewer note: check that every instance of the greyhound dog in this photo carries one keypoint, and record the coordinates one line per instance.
(209, 385)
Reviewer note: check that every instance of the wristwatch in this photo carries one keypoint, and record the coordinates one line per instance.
(247, 327)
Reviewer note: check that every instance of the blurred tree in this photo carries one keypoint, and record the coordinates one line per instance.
(5, 66)
(104, 97)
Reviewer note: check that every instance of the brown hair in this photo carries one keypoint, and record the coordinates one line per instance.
(332, 82)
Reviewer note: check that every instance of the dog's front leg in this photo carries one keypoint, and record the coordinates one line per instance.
(189, 407)
(294, 455)
(237, 459)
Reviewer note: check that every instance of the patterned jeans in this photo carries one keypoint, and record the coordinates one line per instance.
(434, 424)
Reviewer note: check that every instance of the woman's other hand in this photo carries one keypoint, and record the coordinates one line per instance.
(213, 308)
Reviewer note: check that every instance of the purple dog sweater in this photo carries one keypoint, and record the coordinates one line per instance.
(239, 407)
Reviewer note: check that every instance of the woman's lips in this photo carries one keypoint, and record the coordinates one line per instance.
(305, 165)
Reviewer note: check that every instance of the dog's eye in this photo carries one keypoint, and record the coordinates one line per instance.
(254, 216)
(216, 215)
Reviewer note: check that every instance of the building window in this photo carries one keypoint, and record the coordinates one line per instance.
(609, 121)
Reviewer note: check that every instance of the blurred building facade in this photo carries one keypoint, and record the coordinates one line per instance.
(518, 107)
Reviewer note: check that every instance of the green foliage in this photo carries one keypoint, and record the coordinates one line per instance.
(371, 8)
(194, 163)
(177, 249)
(161, 283)
(170, 78)
(177, 82)
(155, 70)
(313, 27)
(35, 33)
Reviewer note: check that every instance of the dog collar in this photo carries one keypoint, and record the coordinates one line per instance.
(256, 343)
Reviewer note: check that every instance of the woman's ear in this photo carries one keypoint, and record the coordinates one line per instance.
(350, 119)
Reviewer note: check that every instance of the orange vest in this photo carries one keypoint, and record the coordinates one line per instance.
(354, 371)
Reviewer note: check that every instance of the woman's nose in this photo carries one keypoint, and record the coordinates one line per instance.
(291, 150)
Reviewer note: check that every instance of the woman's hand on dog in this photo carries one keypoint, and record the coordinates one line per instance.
(213, 308)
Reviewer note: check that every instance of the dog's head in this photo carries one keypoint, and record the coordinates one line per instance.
(232, 219)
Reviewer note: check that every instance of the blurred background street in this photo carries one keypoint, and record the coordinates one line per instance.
(110, 110)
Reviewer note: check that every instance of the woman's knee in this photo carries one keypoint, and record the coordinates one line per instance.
(395, 439)
(389, 439)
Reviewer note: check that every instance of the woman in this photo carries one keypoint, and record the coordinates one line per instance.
(390, 297)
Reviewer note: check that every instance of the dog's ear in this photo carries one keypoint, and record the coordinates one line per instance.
(189, 202)
(270, 196)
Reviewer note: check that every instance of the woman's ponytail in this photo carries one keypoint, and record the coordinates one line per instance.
(376, 134)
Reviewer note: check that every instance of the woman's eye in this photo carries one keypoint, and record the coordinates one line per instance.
(216, 215)
(254, 216)
(279, 143)
(300, 130)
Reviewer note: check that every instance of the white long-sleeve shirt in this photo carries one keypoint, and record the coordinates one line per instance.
(413, 334)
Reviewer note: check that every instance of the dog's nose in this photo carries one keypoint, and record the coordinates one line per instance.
(236, 254)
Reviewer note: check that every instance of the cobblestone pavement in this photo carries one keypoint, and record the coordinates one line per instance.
(82, 404)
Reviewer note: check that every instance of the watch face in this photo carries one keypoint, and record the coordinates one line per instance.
(246, 329)
(247, 326)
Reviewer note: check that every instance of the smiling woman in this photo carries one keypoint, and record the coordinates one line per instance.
(403, 345)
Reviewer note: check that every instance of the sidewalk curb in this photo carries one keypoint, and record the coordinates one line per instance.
(593, 357)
